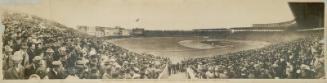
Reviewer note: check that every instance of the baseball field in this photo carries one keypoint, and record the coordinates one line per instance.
(179, 48)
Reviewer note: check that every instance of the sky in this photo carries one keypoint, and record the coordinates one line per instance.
(156, 14)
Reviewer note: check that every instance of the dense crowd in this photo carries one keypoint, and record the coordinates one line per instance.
(300, 58)
(36, 48)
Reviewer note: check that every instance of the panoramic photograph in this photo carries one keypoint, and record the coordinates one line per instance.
(162, 39)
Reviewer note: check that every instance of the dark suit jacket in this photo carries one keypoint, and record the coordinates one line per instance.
(31, 54)
(30, 70)
(59, 75)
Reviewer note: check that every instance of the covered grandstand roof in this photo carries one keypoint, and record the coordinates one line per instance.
(308, 14)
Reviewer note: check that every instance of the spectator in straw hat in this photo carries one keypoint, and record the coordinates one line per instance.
(57, 72)
(94, 74)
(24, 54)
(81, 69)
(135, 74)
(31, 68)
(31, 52)
(72, 74)
(34, 77)
(41, 71)
(7, 54)
(48, 57)
(107, 74)
(104, 64)
(17, 71)
(17, 53)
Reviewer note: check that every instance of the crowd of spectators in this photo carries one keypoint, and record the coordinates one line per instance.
(36, 48)
(300, 58)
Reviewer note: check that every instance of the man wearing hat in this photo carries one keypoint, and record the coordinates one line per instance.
(48, 57)
(32, 68)
(6, 60)
(16, 44)
(31, 52)
(104, 63)
(64, 57)
(42, 71)
(94, 74)
(107, 74)
(23, 53)
(17, 71)
(34, 77)
(72, 74)
(81, 69)
(57, 72)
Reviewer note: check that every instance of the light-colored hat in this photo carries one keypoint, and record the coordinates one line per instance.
(49, 50)
(18, 56)
(136, 69)
(36, 58)
(8, 49)
(62, 48)
(24, 46)
(126, 62)
(57, 63)
(303, 66)
(80, 62)
(106, 62)
(133, 62)
(112, 60)
(34, 77)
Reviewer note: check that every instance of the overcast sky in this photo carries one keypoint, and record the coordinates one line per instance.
(156, 14)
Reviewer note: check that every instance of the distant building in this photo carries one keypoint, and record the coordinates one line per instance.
(100, 31)
(83, 28)
(109, 31)
(88, 30)
(126, 32)
(112, 32)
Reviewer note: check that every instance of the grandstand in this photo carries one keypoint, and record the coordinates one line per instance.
(301, 57)
(37, 48)
(39, 51)
(308, 15)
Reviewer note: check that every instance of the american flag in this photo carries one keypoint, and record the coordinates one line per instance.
(137, 20)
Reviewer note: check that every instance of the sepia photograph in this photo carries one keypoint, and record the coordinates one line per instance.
(162, 39)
